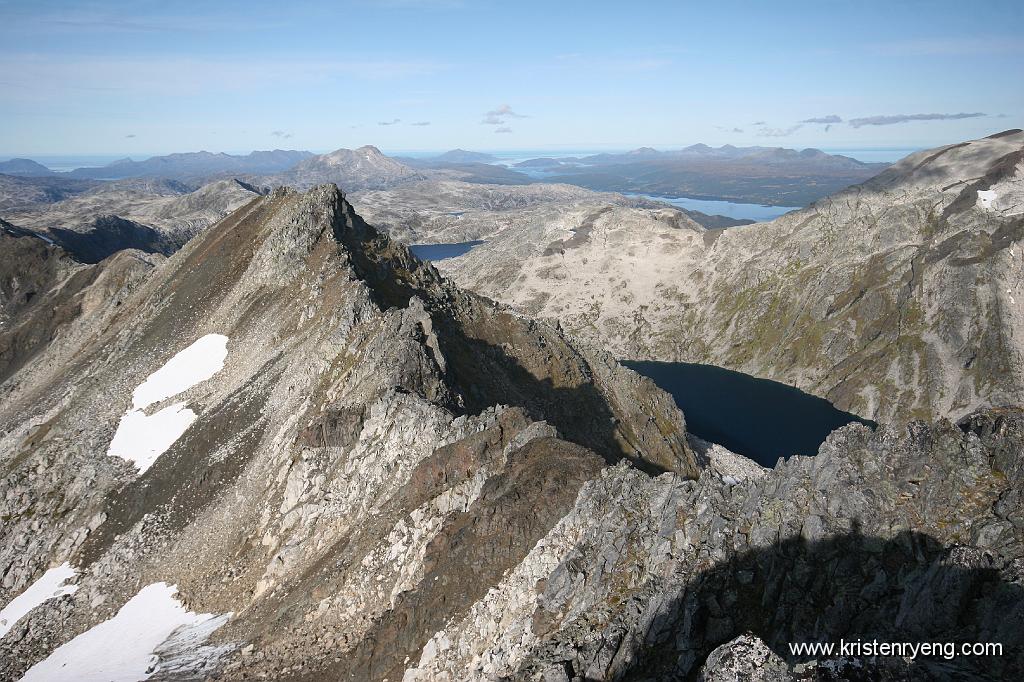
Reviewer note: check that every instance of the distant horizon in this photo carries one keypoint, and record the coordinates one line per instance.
(67, 159)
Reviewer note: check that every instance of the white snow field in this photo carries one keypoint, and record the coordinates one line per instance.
(197, 363)
(143, 624)
(49, 586)
(142, 438)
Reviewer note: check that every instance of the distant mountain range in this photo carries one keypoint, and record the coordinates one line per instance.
(463, 156)
(765, 175)
(195, 165)
(769, 155)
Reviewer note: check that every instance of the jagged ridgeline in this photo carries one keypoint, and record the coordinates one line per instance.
(292, 449)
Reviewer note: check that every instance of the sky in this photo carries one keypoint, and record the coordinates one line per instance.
(143, 77)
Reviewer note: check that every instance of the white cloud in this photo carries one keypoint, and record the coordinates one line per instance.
(904, 118)
(497, 117)
(831, 118)
(779, 132)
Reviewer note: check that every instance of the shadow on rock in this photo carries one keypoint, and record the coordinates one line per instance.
(854, 588)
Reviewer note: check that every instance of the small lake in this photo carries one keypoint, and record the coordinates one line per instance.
(442, 251)
(758, 418)
(730, 209)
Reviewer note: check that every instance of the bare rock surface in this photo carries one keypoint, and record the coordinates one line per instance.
(440, 210)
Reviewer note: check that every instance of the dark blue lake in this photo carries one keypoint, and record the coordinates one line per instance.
(442, 251)
(762, 419)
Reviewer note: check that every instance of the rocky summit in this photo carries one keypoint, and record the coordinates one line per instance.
(293, 451)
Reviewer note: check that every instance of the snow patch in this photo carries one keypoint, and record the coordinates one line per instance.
(197, 363)
(141, 438)
(986, 197)
(122, 649)
(49, 586)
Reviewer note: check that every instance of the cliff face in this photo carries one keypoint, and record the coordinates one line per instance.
(370, 425)
(895, 299)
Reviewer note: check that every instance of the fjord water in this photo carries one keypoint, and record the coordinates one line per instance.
(442, 251)
(730, 209)
(762, 419)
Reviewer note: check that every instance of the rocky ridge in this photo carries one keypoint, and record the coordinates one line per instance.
(359, 388)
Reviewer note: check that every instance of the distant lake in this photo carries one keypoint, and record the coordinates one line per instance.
(756, 212)
(758, 418)
(442, 251)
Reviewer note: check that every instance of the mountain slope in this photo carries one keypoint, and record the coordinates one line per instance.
(45, 293)
(372, 474)
(896, 298)
(358, 387)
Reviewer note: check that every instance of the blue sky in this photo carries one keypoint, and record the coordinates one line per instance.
(146, 77)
